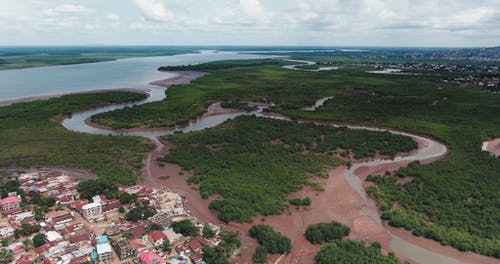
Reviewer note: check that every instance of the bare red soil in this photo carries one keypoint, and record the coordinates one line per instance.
(494, 147)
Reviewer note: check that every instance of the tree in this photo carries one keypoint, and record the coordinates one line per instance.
(306, 201)
(166, 247)
(127, 235)
(208, 231)
(39, 213)
(152, 227)
(216, 255)
(6, 256)
(38, 240)
(185, 227)
(272, 241)
(5, 242)
(90, 188)
(27, 243)
(139, 213)
(260, 255)
(326, 232)
(121, 210)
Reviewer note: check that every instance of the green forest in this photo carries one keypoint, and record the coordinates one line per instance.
(32, 137)
(454, 201)
(255, 162)
(340, 251)
(349, 251)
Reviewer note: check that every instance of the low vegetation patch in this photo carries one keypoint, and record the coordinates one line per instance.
(31, 137)
(349, 251)
(300, 202)
(271, 241)
(326, 232)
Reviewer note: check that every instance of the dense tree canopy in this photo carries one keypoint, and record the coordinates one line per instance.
(186, 228)
(272, 241)
(348, 252)
(326, 232)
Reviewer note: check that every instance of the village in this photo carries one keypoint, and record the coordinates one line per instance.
(47, 218)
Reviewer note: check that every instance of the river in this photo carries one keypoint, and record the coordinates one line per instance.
(77, 122)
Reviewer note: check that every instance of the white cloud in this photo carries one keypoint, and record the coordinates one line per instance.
(154, 10)
(321, 22)
(68, 9)
(112, 16)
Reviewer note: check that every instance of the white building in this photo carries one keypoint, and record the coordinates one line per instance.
(92, 211)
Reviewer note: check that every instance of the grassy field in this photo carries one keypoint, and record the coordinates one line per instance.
(254, 163)
(455, 201)
(32, 137)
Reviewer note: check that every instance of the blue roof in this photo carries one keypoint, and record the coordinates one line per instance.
(94, 255)
(102, 239)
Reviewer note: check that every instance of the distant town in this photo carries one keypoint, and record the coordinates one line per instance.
(52, 219)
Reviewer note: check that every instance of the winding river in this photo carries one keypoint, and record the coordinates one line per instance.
(431, 150)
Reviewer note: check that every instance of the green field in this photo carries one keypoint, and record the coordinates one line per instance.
(455, 201)
(31, 137)
(254, 163)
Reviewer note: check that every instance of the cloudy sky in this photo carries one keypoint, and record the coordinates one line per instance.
(251, 22)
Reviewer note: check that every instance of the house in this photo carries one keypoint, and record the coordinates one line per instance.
(138, 245)
(162, 219)
(157, 237)
(103, 249)
(10, 203)
(92, 211)
(182, 249)
(112, 230)
(149, 257)
(197, 259)
(104, 252)
(53, 236)
(179, 259)
(123, 249)
(197, 243)
(110, 205)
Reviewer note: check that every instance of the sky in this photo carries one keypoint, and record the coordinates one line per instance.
(435, 23)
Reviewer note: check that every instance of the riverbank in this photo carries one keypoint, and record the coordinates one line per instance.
(48, 96)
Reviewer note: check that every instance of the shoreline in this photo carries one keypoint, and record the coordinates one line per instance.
(27, 99)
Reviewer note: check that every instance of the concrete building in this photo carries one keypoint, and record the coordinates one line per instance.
(162, 219)
(123, 249)
(92, 211)
(10, 203)
(103, 249)
(104, 252)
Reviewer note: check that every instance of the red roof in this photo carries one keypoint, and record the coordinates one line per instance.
(197, 243)
(181, 249)
(196, 257)
(80, 237)
(157, 235)
(10, 199)
(137, 244)
(148, 257)
(202, 240)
